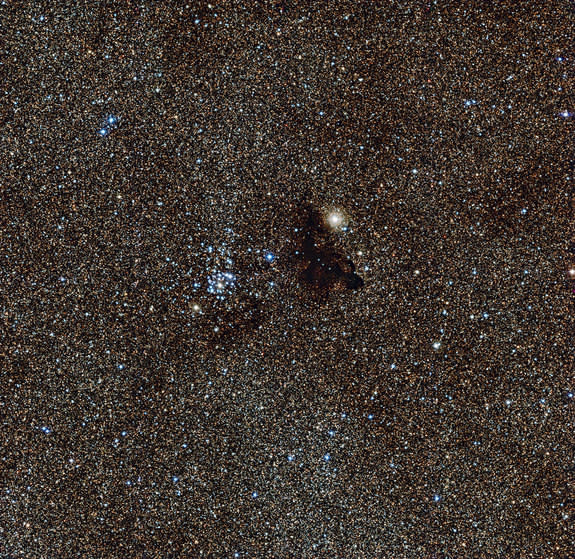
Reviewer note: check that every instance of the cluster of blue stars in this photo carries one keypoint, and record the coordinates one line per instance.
(221, 283)
(111, 124)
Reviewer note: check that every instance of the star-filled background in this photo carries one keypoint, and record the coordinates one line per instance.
(287, 279)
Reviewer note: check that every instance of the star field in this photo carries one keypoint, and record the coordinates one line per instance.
(285, 279)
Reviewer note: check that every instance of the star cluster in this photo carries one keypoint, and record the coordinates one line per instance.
(287, 280)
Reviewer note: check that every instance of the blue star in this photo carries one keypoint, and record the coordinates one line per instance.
(103, 132)
(269, 256)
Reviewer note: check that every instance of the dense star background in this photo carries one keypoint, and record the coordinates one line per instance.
(190, 366)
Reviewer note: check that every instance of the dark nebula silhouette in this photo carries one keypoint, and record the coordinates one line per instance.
(324, 265)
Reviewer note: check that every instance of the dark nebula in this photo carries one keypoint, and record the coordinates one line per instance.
(287, 279)
(325, 267)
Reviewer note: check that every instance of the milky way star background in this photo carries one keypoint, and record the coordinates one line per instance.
(287, 279)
